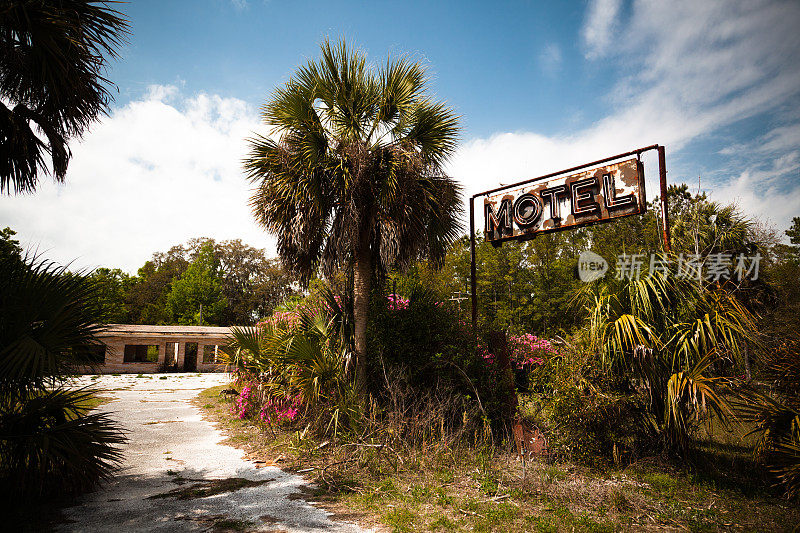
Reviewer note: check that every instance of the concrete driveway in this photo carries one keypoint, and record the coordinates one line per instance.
(176, 475)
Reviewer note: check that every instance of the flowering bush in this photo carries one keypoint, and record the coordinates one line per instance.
(275, 411)
(528, 350)
(397, 302)
(244, 403)
(272, 411)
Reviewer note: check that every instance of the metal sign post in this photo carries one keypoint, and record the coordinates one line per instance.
(525, 209)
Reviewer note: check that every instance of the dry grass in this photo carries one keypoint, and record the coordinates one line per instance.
(434, 487)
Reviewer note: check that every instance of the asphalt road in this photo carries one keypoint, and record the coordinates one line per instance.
(176, 475)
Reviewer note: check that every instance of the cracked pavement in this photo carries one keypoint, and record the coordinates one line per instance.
(177, 476)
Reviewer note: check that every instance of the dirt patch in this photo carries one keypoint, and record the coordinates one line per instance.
(203, 488)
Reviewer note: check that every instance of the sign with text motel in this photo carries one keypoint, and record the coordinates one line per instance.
(589, 197)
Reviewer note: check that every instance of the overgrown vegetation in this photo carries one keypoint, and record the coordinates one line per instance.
(457, 486)
(294, 370)
(646, 405)
(651, 363)
(51, 442)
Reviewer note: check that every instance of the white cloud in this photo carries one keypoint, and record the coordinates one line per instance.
(155, 173)
(700, 67)
(598, 29)
(165, 168)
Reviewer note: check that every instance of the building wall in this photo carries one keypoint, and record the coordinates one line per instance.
(115, 353)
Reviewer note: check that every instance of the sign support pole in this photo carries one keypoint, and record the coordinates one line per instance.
(662, 174)
(473, 283)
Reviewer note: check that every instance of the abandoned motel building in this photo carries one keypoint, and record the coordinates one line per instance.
(140, 349)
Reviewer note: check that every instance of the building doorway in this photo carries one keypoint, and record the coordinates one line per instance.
(171, 357)
(190, 357)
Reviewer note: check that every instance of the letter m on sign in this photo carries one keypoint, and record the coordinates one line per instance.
(497, 223)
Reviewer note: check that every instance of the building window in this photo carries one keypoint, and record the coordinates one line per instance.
(141, 353)
(210, 353)
(91, 354)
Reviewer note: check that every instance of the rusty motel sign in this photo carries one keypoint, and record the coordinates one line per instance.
(613, 188)
(581, 199)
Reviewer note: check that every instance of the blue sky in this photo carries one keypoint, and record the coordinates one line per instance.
(539, 85)
(493, 64)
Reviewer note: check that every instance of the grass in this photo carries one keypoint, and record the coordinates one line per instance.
(95, 400)
(488, 489)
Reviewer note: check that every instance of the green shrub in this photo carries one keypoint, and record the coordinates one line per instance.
(424, 343)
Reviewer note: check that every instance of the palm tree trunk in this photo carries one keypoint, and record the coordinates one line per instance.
(362, 277)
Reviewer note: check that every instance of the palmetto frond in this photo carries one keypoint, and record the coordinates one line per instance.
(49, 441)
(693, 395)
(776, 417)
(290, 361)
(44, 313)
(667, 331)
(52, 63)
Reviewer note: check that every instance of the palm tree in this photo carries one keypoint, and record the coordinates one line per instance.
(351, 175)
(51, 74)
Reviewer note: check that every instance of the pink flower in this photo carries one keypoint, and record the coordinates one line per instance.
(397, 302)
(527, 350)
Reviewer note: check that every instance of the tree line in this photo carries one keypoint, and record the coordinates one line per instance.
(201, 282)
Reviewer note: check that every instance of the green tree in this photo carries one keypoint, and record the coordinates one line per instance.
(196, 298)
(147, 296)
(9, 246)
(112, 286)
(353, 177)
(794, 233)
(251, 283)
(51, 82)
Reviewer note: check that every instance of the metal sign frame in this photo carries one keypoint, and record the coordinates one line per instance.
(662, 171)
(565, 202)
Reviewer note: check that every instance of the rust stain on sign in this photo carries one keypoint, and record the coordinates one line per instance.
(529, 441)
(589, 197)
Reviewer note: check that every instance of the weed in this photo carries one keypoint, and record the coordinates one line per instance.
(441, 523)
(662, 483)
(617, 501)
(443, 499)
(400, 520)
(445, 475)
(542, 524)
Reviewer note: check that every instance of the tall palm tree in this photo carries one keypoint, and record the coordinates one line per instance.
(351, 175)
(51, 73)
